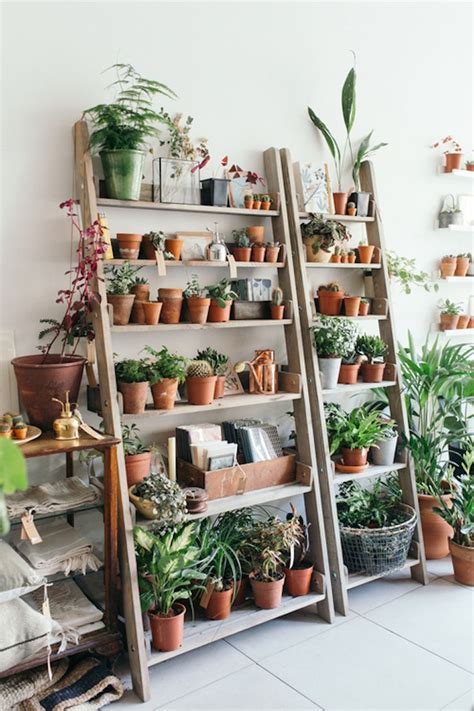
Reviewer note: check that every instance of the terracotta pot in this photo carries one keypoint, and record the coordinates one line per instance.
(348, 373)
(463, 321)
(241, 594)
(164, 393)
(265, 205)
(448, 267)
(453, 162)
(330, 302)
(242, 254)
(365, 252)
(449, 322)
(148, 248)
(267, 594)
(217, 314)
(436, 530)
(200, 391)
(258, 253)
(462, 265)
(364, 308)
(248, 203)
(152, 310)
(219, 604)
(336, 258)
(469, 166)
(220, 387)
(138, 467)
(471, 323)
(172, 300)
(134, 397)
(277, 312)
(41, 378)
(345, 259)
(463, 563)
(271, 254)
(340, 203)
(20, 432)
(321, 256)
(377, 256)
(372, 372)
(129, 245)
(355, 457)
(351, 305)
(138, 314)
(298, 580)
(122, 307)
(198, 309)
(352, 211)
(141, 291)
(175, 246)
(6, 435)
(257, 204)
(256, 234)
(167, 632)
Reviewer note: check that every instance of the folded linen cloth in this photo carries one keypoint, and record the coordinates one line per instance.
(63, 549)
(52, 497)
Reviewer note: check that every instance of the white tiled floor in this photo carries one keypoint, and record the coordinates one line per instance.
(403, 647)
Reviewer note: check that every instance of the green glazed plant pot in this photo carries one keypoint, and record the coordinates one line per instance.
(123, 170)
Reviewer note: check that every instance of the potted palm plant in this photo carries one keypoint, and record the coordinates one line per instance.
(222, 297)
(219, 364)
(334, 339)
(197, 301)
(375, 350)
(120, 130)
(132, 382)
(137, 455)
(320, 235)
(165, 372)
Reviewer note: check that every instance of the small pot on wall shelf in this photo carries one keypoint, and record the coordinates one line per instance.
(361, 200)
(219, 314)
(462, 266)
(448, 266)
(449, 322)
(258, 253)
(340, 202)
(198, 309)
(172, 300)
(141, 291)
(453, 162)
(137, 467)
(364, 307)
(152, 310)
(354, 457)
(348, 373)
(248, 202)
(138, 314)
(330, 302)
(123, 171)
(351, 305)
(372, 372)
(365, 252)
(329, 372)
(134, 397)
(242, 254)
(384, 453)
(277, 311)
(214, 192)
(219, 389)
(271, 253)
(320, 255)
(463, 321)
(175, 246)
(129, 245)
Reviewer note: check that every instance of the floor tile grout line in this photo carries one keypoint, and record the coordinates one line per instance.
(459, 697)
(387, 602)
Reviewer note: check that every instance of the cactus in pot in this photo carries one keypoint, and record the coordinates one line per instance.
(200, 382)
(277, 307)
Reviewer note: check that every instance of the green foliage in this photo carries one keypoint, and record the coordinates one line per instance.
(325, 232)
(163, 364)
(404, 271)
(13, 477)
(199, 369)
(372, 347)
(449, 307)
(272, 541)
(179, 141)
(121, 279)
(130, 370)
(217, 361)
(222, 292)
(219, 542)
(168, 499)
(131, 440)
(240, 238)
(331, 144)
(357, 430)
(335, 338)
(193, 288)
(460, 513)
(358, 507)
(364, 153)
(277, 296)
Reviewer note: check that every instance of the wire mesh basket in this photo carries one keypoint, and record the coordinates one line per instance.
(375, 551)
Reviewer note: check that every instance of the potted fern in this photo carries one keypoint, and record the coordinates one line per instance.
(132, 382)
(165, 371)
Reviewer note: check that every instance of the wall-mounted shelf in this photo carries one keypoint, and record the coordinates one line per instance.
(339, 218)
(170, 207)
(331, 265)
(459, 173)
(195, 263)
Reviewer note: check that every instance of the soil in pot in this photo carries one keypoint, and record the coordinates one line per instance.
(372, 372)
(198, 309)
(164, 393)
(453, 162)
(138, 314)
(271, 254)
(134, 397)
(258, 253)
(152, 310)
(200, 391)
(40, 378)
(219, 314)
(129, 245)
(351, 305)
(123, 171)
(348, 373)
(141, 291)
(242, 254)
(364, 308)
(175, 246)
(267, 594)
(330, 302)
(448, 268)
(329, 371)
(277, 312)
(138, 467)
(354, 457)
(365, 252)
(256, 234)
(462, 265)
(463, 321)
(448, 322)
(167, 630)
(122, 305)
(463, 563)
(218, 607)
(340, 203)
(220, 387)
(436, 530)
(298, 579)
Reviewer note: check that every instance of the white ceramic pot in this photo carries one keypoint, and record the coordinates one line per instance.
(470, 271)
(384, 453)
(329, 372)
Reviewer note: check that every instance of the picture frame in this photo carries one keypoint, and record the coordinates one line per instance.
(238, 188)
(315, 188)
(232, 385)
(195, 245)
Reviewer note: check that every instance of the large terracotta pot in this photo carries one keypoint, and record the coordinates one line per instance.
(242, 254)
(298, 580)
(167, 632)
(172, 300)
(138, 467)
(351, 305)
(200, 391)
(267, 594)
(448, 267)
(220, 387)
(366, 252)
(372, 372)
(219, 604)
(348, 373)
(340, 203)
(462, 265)
(141, 291)
(134, 397)
(449, 322)
(354, 457)
(436, 530)
(463, 563)
(453, 162)
(175, 246)
(164, 393)
(198, 309)
(152, 310)
(122, 305)
(256, 234)
(129, 245)
(217, 314)
(40, 378)
(330, 302)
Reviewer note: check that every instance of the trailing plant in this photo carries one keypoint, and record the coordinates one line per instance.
(358, 429)
(404, 271)
(460, 511)
(372, 347)
(131, 440)
(358, 507)
(194, 289)
(131, 370)
(217, 361)
(164, 364)
(222, 292)
(168, 499)
(449, 307)
(326, 232)
(335, 338)
(120, 280)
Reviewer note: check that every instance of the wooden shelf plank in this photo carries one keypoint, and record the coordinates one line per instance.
(195, 263)
(202, 632)
(369, 317)
(47, 444)
(458, 280)
(246, 323)
(467, 333)
(357, 387)
(356, 579)
(468, 229)
(171, 207)
(339, 218)
(370, 473)
(459, 173)
(338, 265)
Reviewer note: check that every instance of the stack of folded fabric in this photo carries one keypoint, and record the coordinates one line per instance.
(52, 497)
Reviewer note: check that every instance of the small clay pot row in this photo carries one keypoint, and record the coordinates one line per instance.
(199, 390)
(456, 322)
(330, 303)
(251, 204)
(454, 266)
(256, 253)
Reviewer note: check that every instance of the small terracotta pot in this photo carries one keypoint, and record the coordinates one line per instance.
(200, 391)
(453, 162)
(138, 314)
(258, 253)
(449, 322)
(355, 457)
(365, 252)
(351, 259)
(172, 300)
(257, 204)
(463, 321)
(330, 302)
(463, 563)
(219, 314)
(277, 312)
(436, 530)
(152, 310)
(345, 259)
(122, 307)
(364, 308)
(265, 205)
(372, 372)
(340, 203)
(141, 291)
(448, 267)
(248, 203)
(462, 265)
(148, 248)
(336, 258)
(220, 387)
(348, 373)
(164, 393)
(134, 397)
(218, 607)
(167, 632)
(351, 305)
(241, 594)
(271, 254)
(470, 166)
(298, 580)
(256, 234)
(138, 467)
(129, 245)
(267, 594)
(198, 309)
(352, 211)
(20, 433)
(6, 435)
(242, 254)
(175, 246)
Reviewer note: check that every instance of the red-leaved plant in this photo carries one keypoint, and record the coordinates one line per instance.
(80, 298)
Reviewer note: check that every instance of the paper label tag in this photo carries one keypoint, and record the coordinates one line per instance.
(206, 596)
(232, 266)
(160, 263)
(45, 608)
(29, 530)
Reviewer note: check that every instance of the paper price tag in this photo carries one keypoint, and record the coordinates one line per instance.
(232, 266)
(160, 263)
(206, 596)
(45, 608)
(29, 530)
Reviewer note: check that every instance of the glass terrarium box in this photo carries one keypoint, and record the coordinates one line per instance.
(176, 181)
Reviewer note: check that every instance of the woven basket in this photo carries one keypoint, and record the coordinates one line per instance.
(376, 551)
(145, 507)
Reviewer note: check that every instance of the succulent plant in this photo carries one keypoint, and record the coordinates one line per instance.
(241, 239)
(257, 198)
(7, 419)
(217, 361)
(266, 198)
(351, 205)
(277, 296)
(19, 426)
(332, 286)
(199, 369)
(4, 427)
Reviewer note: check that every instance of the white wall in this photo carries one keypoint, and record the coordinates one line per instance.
(246, 72)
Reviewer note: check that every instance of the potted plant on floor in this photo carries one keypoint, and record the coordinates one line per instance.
(452, 154)
(448, 265)
(219, 364)
(449, 316)
(374, 349)
(277, 306)
(222, 297)
(320, 235)
(160, 500)
(120, 281)
(334, 339)
(132, 382)
(137, 455)
(197, 301)
(298, 570)
(121, 129)
(241, 249)
(330, 299)
(166, 371)
(200, 383)
(353, 434)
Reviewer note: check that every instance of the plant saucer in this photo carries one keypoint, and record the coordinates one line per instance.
(346, 469)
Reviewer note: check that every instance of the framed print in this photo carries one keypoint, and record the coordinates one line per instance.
(239, 187)
(195, 245)
(314, 185)
(232, 386)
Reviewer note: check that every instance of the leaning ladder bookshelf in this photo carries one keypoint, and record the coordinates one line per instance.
(306, 484)
(378, 278)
